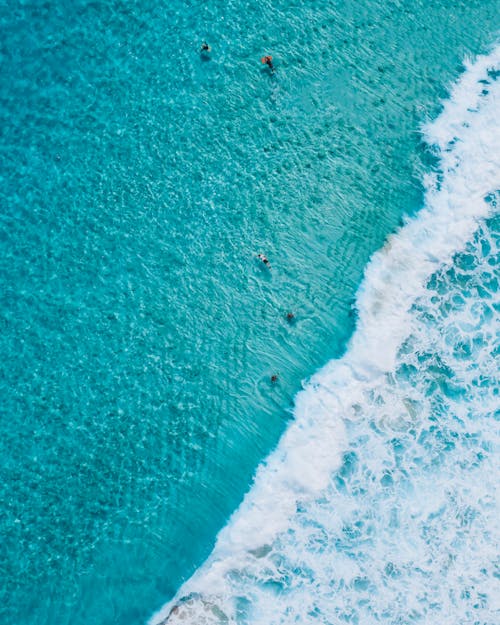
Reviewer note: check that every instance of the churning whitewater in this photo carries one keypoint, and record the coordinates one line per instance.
(379, 504)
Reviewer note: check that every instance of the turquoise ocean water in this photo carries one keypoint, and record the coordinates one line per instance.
(139, 333)
(379, 503)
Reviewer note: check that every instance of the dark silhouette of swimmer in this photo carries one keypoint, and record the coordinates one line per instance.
(274, 378)
(205, 49)
(268, 60)
(264, 260)
(290, 316)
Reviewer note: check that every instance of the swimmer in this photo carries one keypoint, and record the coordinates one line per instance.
(290, 316)
(274, 379)
(205, 48)
(268, 60)
(264, 260)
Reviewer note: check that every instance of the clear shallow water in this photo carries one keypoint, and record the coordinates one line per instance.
(138, 182)
(379, 504)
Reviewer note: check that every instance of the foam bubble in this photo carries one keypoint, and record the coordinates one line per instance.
(378, 503)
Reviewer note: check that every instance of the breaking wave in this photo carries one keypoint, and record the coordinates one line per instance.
(379, 503)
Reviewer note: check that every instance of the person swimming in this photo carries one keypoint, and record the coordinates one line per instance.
(264, 259)
(205, 48)
(268, 60)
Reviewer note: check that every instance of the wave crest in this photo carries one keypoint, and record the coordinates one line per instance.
(314, 538)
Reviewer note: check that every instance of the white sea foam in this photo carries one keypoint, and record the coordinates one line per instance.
(323, 535)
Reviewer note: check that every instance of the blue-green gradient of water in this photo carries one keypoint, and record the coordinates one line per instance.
(139, 333)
